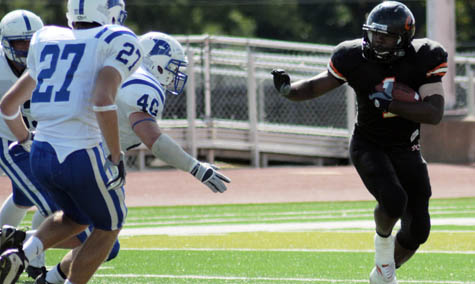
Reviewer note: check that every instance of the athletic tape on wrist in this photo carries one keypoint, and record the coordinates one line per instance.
(10, 117)
(104, 108)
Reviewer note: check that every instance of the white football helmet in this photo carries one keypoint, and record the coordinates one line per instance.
(164, 56)
(18, 25)
(103, 12)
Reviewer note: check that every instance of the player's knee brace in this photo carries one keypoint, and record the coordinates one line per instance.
(114, 251)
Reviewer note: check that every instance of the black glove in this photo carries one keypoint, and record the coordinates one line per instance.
(116, 172)
(281, 81)
(381, 100)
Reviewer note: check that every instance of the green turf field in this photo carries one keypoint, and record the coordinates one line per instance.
(318, 242)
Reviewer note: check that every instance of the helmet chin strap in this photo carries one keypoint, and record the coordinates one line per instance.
(17, 67)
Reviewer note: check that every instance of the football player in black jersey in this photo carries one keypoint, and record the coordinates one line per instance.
(385, 144)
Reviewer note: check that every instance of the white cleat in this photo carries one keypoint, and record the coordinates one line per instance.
(384, 271)
(383, 275)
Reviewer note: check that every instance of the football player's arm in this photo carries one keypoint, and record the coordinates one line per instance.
(305, 89)
(430, 110)
(124, 56)
(11, 102)
(313, 87)
(103, 99)
(167, 150)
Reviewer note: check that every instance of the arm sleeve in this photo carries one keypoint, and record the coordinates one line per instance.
(338, 62)
(438, 66)
(345, 60)
(167, 150)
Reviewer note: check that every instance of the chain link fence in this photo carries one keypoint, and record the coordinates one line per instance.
(464, 85)
(232, 88)
(227, 61)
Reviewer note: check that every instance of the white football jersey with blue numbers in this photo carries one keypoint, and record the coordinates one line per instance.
(7, 79)
(65, 64)
(141, 92)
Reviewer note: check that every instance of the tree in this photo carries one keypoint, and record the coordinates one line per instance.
(315, 21)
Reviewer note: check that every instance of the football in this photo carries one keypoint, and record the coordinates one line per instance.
(401, 92)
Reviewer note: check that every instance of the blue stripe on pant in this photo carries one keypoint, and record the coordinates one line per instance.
(77, 185)
(26, 189)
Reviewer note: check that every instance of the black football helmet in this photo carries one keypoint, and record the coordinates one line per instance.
(392, 18)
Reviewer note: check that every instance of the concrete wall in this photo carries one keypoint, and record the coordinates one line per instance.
(451, 141)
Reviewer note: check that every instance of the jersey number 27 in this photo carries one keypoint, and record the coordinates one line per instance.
(62, 95)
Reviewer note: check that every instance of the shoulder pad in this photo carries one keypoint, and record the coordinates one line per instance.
(52, 33)
(140, 94)
(433, 56)
(120, 49)
(344, 56)
(111, 32)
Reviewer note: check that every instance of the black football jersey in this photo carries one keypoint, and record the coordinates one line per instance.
(425, 62)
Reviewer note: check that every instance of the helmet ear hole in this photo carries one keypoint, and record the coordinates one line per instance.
(160, 69)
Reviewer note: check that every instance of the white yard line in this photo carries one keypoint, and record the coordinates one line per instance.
(322, 213)
(272, 279)
(287, 250)
(281, 227)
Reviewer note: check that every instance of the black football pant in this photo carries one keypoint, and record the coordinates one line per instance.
(399, 180)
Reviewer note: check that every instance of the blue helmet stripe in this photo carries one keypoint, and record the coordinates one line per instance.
(81, 7)
(112, 3)
(27, 22)
(113, 35)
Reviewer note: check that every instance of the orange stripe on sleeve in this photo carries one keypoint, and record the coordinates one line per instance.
(336, 72)
(434, 71)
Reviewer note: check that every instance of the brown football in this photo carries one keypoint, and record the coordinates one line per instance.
(402, 92)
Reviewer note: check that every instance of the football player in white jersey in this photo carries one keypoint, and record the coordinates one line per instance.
(140, 102)
(72, 82)
(17, 28)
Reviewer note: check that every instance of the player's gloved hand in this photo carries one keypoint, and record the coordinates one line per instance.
(281, 81)
(25, 144)
(381, 100)
(117, 172)
(209, 175)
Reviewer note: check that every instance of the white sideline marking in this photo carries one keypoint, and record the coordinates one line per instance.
(282, 227)
(291, 250)
(245, 279)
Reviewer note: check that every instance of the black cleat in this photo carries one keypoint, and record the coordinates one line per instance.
(34, 272)
(12, 264)
(41, 279)
(11, 237)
